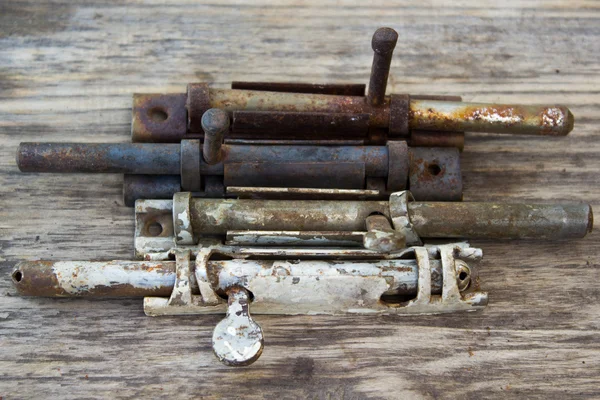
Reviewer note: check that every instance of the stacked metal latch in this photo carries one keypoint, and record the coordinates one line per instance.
(292, 198)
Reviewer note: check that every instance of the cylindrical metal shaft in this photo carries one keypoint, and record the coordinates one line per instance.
(149, 187)
(430, 219)
(257, 100)
(217, 216)
(493, 118)
(125, 158)
(165, 158)
(146, 278)
(501, 221)
(448, 116)
(215, 123)
(94, 278)
(383, 44)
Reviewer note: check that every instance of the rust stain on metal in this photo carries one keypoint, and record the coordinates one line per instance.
(493, 118)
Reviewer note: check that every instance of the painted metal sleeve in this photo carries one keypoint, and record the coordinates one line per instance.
(146, 278)
(500, 221)
(403, 273)
(94, 278)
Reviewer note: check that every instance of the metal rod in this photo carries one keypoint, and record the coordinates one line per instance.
(446, 116)
(125, 158)
(232, 100)
(149, 187)
(383, 44)
(492, 118)
(215, 123)
(501, 221)
(151, 278)
(217, 216)
(430, 219)
(165, 158)
(94, 278)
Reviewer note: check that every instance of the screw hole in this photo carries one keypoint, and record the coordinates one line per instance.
(434, 169)
(17, 276)
(157, 114)
(463, 275)
(154, 229)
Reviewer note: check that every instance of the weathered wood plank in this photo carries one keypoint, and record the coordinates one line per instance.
(67, 72)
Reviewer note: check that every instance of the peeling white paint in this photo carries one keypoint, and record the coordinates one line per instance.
(78, 277)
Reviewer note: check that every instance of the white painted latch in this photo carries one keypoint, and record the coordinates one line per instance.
(231, 280)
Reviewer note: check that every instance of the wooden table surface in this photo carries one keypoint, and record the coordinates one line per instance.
(67, 73)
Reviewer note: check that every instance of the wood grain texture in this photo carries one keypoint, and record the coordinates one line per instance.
(67, 73)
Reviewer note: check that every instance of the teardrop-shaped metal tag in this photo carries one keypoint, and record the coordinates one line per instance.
(237, 339)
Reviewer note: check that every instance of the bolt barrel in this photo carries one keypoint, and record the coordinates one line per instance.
(94, 279)
(429, 219)
(165, 158)
(125, 158)
(217, 216)
(436, 115)
(500, 221)
(154, 278)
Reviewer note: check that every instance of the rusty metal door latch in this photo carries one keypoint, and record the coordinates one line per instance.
(426, 280)
(349, 257)
(309, 113)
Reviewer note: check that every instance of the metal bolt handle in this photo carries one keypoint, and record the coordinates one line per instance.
(383, 44)
(238, 340)
(215, 122)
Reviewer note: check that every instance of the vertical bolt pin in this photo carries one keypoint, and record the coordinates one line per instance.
(215, 122)
(383, 44)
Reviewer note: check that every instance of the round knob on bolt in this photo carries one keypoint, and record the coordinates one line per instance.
(215, 122)
(384, 40)
(237, 339)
